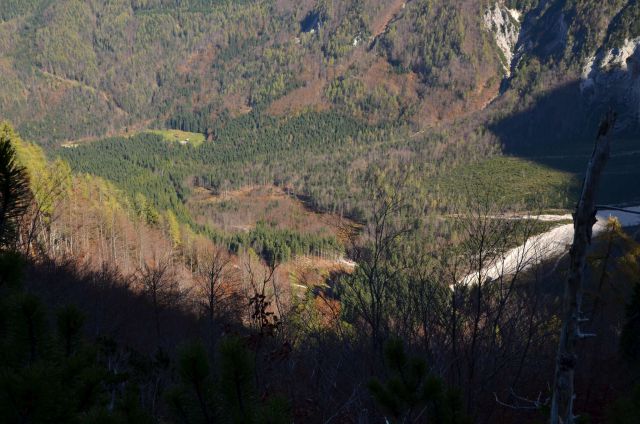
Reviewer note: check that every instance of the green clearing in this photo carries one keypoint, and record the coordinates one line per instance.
(619, 179)
(548, 177)
(513, 181)
(178, 136)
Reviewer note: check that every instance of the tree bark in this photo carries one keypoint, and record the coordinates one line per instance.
(583, 220)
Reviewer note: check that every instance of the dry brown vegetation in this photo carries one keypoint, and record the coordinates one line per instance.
(381, 22)
(309, 96)
(241, 210)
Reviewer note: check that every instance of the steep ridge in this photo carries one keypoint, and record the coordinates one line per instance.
(571, 63)
(611, 77)
(504, 24)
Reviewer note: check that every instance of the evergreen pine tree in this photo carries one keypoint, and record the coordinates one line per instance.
(411, 394)
(14, 189)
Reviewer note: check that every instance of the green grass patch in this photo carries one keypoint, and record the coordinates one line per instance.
(512, 181)
(182, 137)
(618, 178)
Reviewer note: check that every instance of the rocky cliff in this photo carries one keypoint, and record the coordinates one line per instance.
(612, 78)
(571, 61)
(504, 24)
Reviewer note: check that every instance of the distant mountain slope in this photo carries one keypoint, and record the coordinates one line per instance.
(573, 60)
(74, 69)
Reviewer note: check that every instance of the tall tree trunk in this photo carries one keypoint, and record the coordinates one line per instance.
(583, 221)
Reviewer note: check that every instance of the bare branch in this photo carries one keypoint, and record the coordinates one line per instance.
(583, 220)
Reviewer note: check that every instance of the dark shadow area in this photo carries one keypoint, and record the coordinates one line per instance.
(559, 132)
(113, 307)
(545, 32)
(558, 117)
(115, 311)
(602, 370)
(311, 22)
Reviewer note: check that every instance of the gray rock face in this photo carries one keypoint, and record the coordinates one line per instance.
(504, 24)
(551, 34)
(613, 77)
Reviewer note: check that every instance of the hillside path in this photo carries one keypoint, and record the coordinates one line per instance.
(553, 244)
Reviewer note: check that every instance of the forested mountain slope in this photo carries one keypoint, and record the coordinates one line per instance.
(308, 335)
(73, 69)
(300, 187)
(445, 86)
(572, 61)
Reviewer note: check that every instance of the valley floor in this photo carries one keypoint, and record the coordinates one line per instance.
(549, 246)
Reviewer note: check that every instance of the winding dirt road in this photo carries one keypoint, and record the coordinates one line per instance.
(553, 244)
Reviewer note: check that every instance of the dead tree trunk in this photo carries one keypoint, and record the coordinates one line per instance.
(583, 221)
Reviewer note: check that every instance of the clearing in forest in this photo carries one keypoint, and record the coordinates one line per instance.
(182, 137)
(241, 210)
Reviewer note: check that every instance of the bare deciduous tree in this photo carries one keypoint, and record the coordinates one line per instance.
(261, 294)
(583, 220)
(157, 281)
(485, 331)
(216, 281)
(372, 288)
